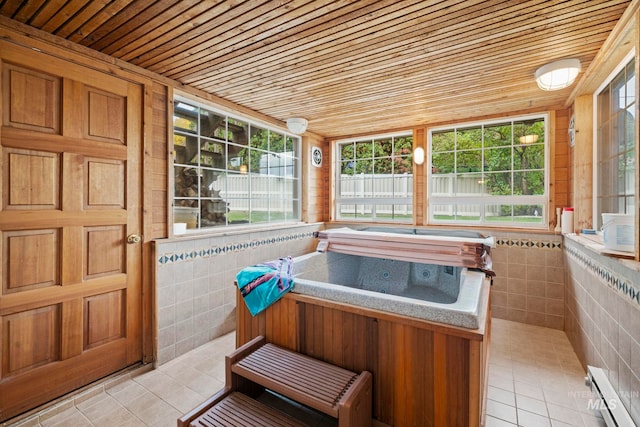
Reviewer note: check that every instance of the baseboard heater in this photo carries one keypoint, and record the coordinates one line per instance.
(606, 400)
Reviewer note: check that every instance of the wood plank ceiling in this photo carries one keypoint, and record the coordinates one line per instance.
(349, 67)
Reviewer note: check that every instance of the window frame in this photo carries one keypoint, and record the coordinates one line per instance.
(374, 202)
(295, 203)
(483, 200)
(596, 215)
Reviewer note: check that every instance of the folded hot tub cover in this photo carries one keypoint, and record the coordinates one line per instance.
(263, 284)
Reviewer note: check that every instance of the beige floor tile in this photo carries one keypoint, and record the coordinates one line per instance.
(529, 419)
(502, 411)
(99, 406)
(75, 419)
(532, 405)
(529, 390)
(502, 396)
(497, 422)
(120, 417)
(500, 382)
(564, 414)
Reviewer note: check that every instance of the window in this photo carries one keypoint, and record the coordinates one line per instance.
(491, 173)
(615, 152)
(375, 178)
(231, 171)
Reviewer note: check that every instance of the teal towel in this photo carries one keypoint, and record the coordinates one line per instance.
(263, 284)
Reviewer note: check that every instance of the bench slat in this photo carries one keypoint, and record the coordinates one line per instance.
(306, 377)
(309, 381)
(238, 410)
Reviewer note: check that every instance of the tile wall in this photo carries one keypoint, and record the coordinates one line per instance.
(195, 296)
(603, 318)
(529, 282)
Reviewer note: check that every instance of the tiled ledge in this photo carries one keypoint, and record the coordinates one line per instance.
(621, 275)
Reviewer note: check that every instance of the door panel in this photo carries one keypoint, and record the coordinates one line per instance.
(70, 306)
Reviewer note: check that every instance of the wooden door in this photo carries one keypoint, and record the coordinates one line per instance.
(70, 303)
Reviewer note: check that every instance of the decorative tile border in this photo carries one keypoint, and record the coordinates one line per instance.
(623, 286)
(527, 243)
(172, 257)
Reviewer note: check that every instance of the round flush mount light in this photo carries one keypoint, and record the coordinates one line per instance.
(558, 75)
(418, 156)
(297, 125)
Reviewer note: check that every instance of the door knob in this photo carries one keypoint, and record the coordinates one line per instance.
(133, 238)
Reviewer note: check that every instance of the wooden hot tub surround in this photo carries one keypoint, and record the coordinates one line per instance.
(424, 373)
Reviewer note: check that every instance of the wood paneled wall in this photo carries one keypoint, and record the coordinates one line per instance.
(315, 181)
(160, 160)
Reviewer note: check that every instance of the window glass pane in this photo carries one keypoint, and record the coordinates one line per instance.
(629, 128)
(630, 89)
(213, 125)
(237, 158)
(185, 117)
(185, 149)
(403, 146)
(443, 163)
(528, 183)
(382, 166)
(469, 161)
(532, 214)
(403, 165)
(498, 135)
(498, 184)
(276, 142)
(382, 147)
(186, 184)
(469, 184)
(238, 131)
(346, 211)
(467, 212)
(528, 132)
(469, 138)
(497, 159)
(443, 141)
(364, 150)
(347, 151)
(259, 137)
(442, 185)
(528, 157)
(347, 167)
(497, 213)
(364, 166)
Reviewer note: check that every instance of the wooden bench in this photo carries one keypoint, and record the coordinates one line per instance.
(257, 365)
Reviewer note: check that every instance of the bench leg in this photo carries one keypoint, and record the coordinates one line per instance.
(235, 382)
(355, 408)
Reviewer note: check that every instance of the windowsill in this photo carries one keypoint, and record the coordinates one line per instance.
(237, 230)
(542, 231)
(595, 243)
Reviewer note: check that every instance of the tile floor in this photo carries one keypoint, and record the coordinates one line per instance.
(535, 379)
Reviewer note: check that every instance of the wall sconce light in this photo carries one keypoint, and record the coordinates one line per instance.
(418, 156)
(528, 139)
(558, 75)
(243, 169)
(297, 125)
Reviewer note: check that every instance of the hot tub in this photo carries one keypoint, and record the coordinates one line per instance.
(446, 294)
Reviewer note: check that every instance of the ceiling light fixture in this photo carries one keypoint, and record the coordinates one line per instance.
(297, 125)
(558, 75)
